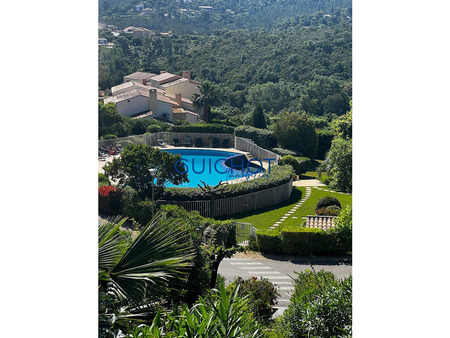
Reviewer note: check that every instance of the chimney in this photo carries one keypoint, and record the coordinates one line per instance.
(162, 72)
(153, 98)
(186, 75)
(144, 81)
(178, 98)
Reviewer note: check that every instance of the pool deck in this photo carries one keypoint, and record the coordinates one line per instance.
(101, 163)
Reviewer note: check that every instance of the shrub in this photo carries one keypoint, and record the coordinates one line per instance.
(320, 306)
(154, 129)
(332, 210)
(262, 137)
(326, 202)
(330, 314)
(342, 232)
(269, 241)
(301, 164)
(108, 137)
(289, 159)
(324, 139)
(103, 180)
(304, 165)
(252, 244)
(202, 128)
(262, 295)
(109, 200)
(278, 176)
(284, 152)
(220, 233)
(143, 212)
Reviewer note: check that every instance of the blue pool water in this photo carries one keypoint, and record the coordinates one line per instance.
(206, 165)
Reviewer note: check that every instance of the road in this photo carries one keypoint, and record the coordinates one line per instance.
(280, 269)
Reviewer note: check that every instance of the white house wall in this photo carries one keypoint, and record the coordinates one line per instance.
(163, 108)
(192, 118)
(185, 88)
(132, 106)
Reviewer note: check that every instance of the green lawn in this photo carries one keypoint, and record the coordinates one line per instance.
(308, 208)
(266, 217)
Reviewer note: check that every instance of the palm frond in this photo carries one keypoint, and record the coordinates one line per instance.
(162, 252)
(108, 243)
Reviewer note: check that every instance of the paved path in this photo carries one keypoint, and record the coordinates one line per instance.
(281, 270)
(294, 209)
(308, 183)
(337, 192)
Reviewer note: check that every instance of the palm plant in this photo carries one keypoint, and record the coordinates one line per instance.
(216, 315)
(208, 97)
(138, 276)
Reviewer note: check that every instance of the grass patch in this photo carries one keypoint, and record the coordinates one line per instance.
(308, 208)
(266, 217)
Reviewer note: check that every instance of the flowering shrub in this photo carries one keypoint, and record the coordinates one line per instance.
(327, 201)
(262, 295)
(332, 210)
(109, 200)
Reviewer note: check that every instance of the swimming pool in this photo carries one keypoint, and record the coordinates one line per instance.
(209, 166)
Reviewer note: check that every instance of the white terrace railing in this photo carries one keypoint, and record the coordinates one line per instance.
(247, 145)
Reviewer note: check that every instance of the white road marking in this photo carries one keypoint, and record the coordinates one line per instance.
(246, 263)
(254, 267)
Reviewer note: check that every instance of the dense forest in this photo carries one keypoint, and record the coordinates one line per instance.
(188, 16)
(302, 63)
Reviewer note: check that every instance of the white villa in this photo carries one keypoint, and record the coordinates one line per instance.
(164, 96)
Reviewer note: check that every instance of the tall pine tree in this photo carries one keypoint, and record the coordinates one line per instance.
(258, 119)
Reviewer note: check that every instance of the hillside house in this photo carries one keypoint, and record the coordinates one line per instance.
(144, 33)
(147, 11)
(140, 77)
(134, 98)
(174, 84)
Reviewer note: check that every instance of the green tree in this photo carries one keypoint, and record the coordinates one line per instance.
(343, 125)
(208, 97)
(258, 118)
(338, 161)
(296, 132)
(107, 115)
(338, 164)
(271, 96)
(133, 168)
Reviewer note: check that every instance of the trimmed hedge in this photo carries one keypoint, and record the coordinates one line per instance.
(269, 241)
(203, 128)
(278, 176)
(262, 137)
(304, 241)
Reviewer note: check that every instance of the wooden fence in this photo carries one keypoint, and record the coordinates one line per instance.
(238, 204)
